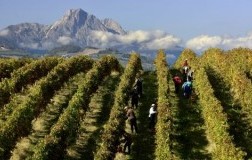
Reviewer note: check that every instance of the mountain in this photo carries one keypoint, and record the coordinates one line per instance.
(77, 30)
(73, 28)
(22, 35)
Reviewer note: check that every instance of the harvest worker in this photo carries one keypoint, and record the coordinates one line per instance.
(152, 116)
(177, 82)
(185, 69)
(190, 74)
(134, 98)
(185, 63)
(131, 118)
(127, 140)
(138, 86)
(187, 88)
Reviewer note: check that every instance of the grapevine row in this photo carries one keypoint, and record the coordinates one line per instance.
(24, 76)
(113, 129)
(91, 125)
(241, 59)
(215, 119)
(42, 124)
(8, 65)
(163, 126)
(65, 130)
(241, 86)
(18, 124)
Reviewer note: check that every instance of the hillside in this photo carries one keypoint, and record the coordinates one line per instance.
(73, 108)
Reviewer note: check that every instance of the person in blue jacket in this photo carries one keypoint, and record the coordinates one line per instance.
(187, 88)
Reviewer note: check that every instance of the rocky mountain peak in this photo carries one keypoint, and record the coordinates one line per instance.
(78, 16)
(70, 22)
(113, 25)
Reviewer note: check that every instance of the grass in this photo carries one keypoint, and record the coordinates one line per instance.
(189, 138)
(143, 146)
(144, 142)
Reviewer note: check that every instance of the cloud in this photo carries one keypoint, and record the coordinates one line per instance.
(203, 42)
(29, 45)
(64, 40)
(144, 39)
(4, 32)
(165, 42)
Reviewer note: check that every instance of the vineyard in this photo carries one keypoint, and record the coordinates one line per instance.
(57, 108)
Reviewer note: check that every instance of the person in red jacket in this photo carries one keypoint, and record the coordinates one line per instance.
(177, 82)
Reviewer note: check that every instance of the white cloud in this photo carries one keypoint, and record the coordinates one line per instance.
(144, 39)
(64, 40)
(165, 42)
(4, 32)
(29, 45)
(203, 42)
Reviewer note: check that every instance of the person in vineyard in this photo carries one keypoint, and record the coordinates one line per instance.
(190, 74)
(152, 116)
(138, 85)
(184, 74)
(187, 88)
(127, 140)
(185, 63)
(134, 98)
(177, 82)
(185, 70)
(130, 114)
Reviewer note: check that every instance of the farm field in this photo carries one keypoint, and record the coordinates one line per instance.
(73, 108)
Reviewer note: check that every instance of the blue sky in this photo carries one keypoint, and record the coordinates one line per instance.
(213, 21)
